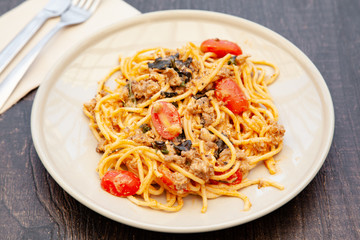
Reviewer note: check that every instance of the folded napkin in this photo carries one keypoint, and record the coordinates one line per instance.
(109, 12)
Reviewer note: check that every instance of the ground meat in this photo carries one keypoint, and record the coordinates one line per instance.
(208, 118)
(225, 156)
(179, 90)
(172, 77)
(103, 93)
(144, 88)
(240, 155)
(229, 130)
(180, 181)
(210, 93)
(206, 135)
(209, 140)
(260, 147)
(195, 65)
(202, 106)
(155, 76)
(179, 160)
(90, 106)
(224, 73)
(191, 154)
(201, 169)
(240, 59)
(124, 94)
(210, 146)
(276, 132)
(244, 167)
(173, 157)
(101, 145)
(142, 138)
(198, 167)
(191, 161)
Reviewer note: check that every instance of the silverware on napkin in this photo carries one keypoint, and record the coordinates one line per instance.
(78, 12)
(54, 8)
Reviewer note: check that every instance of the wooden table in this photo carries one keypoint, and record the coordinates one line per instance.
(33, 206)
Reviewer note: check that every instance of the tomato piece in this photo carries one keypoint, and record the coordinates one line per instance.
(220, 47)
(166, 119)
(120, 183)
(230, 93)
(166, 177)
(234, 179)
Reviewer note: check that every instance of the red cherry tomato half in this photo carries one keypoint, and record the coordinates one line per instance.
(166, 120)
(220, 47)
(120, 183)
(230, 93)
(234, 179)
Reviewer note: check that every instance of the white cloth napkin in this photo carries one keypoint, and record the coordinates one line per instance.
(109, 12)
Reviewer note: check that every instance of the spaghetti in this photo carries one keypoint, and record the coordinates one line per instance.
(170, 118)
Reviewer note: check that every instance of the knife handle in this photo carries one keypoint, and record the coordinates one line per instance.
(14, 47)
(8, 85)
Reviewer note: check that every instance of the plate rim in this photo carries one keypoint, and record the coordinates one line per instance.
(181, 14)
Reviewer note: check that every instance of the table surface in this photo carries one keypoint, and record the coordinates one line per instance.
(34, 206)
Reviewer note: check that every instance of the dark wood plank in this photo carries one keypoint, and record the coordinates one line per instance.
(33, 206)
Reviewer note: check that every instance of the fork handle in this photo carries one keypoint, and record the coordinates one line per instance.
(14, 47)
(8, 85)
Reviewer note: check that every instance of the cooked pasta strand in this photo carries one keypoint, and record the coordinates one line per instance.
(208, 149)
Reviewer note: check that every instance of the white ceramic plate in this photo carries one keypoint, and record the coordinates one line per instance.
(67, 148)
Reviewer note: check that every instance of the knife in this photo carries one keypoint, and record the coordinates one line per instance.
(53, 8)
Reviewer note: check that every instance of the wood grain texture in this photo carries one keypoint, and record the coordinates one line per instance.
(33, 206)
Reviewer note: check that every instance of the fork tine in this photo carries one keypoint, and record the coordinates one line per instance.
(75, 14)
(94, 5)
(79, 3)
(87, 4)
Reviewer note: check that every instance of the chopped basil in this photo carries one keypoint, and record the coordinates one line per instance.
(232, 60)
(181, 67)
(169, 94)
(145, 127)
(131, 94)
(160, 145)
(183, 84)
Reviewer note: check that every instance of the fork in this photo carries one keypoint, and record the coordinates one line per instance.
(78, 12)
(54, 8)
